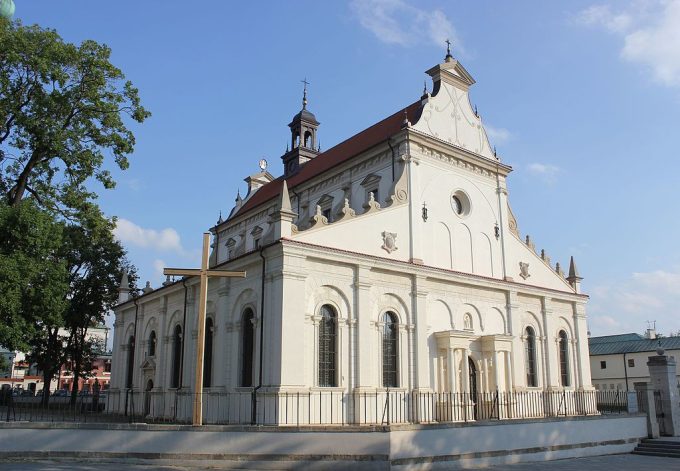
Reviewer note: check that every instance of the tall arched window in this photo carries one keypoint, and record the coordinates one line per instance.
(564, 358)
(131, 361)
(247, 345)
(208, 353)
(389, 350)
(327, 347)
(530, 347)
(152, 343)
(176, 357)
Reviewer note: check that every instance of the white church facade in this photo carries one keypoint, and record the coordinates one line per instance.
(387, 268)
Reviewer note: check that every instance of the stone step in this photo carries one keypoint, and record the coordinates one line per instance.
(659, 445)
(656, 453)
(658, 448)
(661, 441)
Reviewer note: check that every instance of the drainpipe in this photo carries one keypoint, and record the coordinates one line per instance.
(134, 350)
(389, 143)
(184, 336)
(254, 400)
(500, 223)
(298, 202)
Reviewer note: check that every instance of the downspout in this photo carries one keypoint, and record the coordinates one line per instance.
(298, 201)
(259, 385)
(625, 369)
(500, 222)
(389, 143)
(134, 351)
(184, 336)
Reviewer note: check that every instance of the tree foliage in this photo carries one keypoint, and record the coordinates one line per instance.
(33, 275)
(64, 117)
(63, 108)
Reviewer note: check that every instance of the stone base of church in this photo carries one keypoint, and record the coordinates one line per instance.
(441, 446)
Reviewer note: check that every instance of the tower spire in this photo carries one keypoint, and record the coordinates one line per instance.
(574, 278)
(448, 57)
(304, 93)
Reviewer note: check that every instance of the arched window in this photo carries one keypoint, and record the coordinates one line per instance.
(152, 343)
(208, 353)
(564, 358)
(247, 345)
(176, 357)
(131, 361)
(530, 347)
(308, 140)
(327, 347)
(389, 350)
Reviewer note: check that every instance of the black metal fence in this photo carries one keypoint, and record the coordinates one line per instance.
(321, 407)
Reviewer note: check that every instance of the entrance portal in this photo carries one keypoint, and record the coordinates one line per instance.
(473, 386)
(147, 397)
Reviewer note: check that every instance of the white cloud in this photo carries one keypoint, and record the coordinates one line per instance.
(602, 15)
(398, 22)
(164, 240)
(546, 172)
(158, 266)
(650, 31)
(627, 305)
(497, 135)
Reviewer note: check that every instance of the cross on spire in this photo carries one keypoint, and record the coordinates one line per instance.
(304, 93)
(448, 49)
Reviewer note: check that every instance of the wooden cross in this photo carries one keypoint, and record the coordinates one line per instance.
(204, 273)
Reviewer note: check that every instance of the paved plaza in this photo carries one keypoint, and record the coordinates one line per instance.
(599, 463)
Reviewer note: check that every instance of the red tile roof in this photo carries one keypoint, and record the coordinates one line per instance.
(342, 152)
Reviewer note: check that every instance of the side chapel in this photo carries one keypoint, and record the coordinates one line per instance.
(390, 262)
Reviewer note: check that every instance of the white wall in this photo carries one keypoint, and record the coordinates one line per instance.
(404, 447)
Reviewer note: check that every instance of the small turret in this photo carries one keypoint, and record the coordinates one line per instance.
(124, 288)
(282, 219)
(574, 279)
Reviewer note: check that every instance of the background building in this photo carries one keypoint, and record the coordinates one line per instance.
(620, 361)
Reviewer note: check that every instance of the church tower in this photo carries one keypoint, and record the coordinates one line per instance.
(304, 147)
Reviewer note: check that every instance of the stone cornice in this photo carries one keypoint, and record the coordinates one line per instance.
(456, 156)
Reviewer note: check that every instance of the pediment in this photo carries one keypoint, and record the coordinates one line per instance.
(148, 364)
(370, 180)
(325, 200)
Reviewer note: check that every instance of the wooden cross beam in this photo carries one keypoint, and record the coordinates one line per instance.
(204, 273)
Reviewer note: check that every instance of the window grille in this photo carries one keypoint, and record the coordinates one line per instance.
(327, 347)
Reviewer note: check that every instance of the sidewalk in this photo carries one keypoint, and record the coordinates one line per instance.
(597, 463)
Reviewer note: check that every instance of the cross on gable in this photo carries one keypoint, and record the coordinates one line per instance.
(204, 273)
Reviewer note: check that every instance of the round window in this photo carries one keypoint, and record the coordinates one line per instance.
(460, 203)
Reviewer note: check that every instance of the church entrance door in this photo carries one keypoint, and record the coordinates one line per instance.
(473, 386)
(147, 397)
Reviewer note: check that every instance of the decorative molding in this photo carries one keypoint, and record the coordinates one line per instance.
(318, 219)
(524, 270)
(371, 205)
(389, 241)
(346, 212)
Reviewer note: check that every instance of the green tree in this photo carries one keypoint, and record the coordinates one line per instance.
(4, 364)
(62, 109)
(33, 276)
(96, 261)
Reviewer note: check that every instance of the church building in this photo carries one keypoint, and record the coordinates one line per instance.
(385, 273)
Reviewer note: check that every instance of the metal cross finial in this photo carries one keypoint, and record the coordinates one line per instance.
(448, 49)
(304, 94)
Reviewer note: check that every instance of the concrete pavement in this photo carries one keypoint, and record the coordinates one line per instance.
(598, 463)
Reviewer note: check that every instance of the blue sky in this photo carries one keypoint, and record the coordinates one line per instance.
(582, 98)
